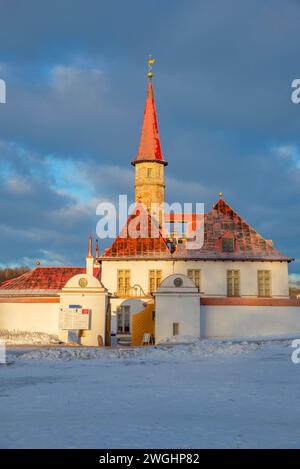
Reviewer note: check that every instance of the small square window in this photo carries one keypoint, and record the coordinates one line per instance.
(228, 245)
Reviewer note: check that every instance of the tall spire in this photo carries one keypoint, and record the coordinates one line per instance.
(149, 147)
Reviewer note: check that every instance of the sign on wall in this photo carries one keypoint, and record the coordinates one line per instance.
(74, 318)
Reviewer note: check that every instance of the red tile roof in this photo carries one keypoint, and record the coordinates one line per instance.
(6, 282)
(140, 237)
(42, 278)
(221, 221)
(149, 147)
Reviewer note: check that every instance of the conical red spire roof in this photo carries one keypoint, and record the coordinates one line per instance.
(149, 147)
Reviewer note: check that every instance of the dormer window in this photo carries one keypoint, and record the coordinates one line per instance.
(228, 245)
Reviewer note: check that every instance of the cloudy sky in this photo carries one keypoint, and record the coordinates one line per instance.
(76, 84)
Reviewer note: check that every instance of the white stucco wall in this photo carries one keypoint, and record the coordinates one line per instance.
(247, 321)
(213, 274)
(169, 310)
(177, 305)
(31, 317)
(93, 297)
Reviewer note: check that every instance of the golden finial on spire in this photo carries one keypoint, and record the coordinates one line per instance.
(220, 195)
(150, 63)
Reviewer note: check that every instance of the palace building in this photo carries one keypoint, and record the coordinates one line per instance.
(234, 285)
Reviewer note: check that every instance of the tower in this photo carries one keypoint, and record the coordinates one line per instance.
(149, 163)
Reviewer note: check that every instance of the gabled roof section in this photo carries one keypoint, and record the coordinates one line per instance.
(140, 237)
(223, 222)
(149, 147)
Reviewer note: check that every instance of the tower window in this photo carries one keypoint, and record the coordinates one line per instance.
(228, 245)
(149, 172)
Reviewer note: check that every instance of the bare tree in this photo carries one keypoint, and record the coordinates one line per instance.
(12, 272)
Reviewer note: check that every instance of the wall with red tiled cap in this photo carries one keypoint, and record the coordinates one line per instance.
(43, 278)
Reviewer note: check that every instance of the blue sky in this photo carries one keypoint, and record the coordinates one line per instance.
(76, 84)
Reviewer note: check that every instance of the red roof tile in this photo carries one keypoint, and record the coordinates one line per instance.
(140, 237)
(6, 282)
(43, 278)
(223, 221)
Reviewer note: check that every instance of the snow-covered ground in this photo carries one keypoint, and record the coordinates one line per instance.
(208, 394)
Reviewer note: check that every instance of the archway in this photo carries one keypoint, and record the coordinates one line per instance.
(122, 321)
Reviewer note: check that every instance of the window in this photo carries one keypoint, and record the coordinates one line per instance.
(123, 319)
(195, 275)
(155, 278)
(228, 245)
(175, 328)
(149, 172)
(264, 282)
(123, 282)
(233, 283)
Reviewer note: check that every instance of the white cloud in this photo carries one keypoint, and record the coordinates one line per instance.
(288, 152)
(82, 81)
(46, 258)
(19, 185)
(181, 190)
